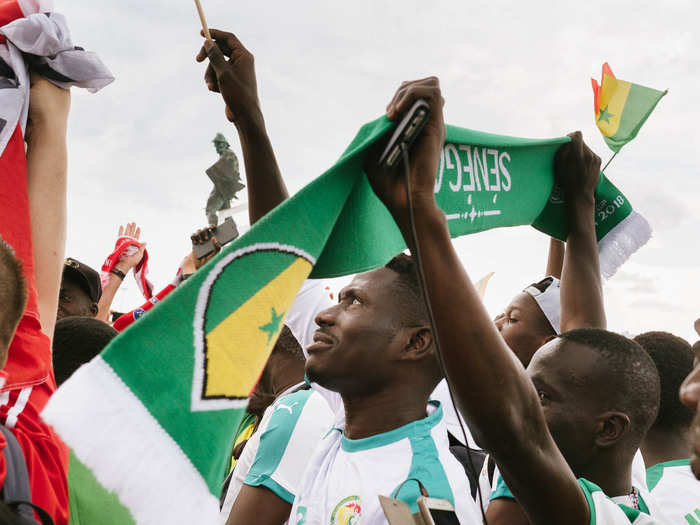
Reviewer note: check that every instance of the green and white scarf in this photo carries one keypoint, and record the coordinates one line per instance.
(153, 416)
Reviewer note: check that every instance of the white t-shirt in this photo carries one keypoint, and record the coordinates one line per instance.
(276, 455)
(345, 477)
(676, 490)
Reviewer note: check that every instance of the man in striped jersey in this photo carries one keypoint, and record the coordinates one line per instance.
(494, 393)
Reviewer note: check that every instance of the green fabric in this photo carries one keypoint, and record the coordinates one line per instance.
(640, 102)
(335, 226)
(88, 501)
(501, 490)
(656, 472)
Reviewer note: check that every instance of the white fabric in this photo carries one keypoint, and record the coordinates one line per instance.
(549, 302)
(311, 424)
(341, 484)
(639, 471)
(678, 494)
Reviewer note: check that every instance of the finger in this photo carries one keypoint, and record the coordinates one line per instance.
(216, 58)
(407, 87)
(210, 79)
(228, 41)
(215, 243)
(406, 100)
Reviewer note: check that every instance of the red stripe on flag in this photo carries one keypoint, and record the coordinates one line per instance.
(9, 11)
(596, 96)
(606, 71)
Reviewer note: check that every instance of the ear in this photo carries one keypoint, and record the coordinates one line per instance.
(94, 309)
(419, 343)
(610, 428)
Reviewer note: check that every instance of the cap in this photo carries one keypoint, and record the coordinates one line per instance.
(220, 139)
(546, 295)
(88, 278)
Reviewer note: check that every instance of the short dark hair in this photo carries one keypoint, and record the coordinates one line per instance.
(76, 341)
(673, 357)
(410, 296)
(627, 375)
(287, 345)
(13, 294)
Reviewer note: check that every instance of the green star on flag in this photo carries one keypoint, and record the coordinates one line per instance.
(272, 327)
(605, 115)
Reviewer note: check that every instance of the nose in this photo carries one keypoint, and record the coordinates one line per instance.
(327, 316)
(498, 321)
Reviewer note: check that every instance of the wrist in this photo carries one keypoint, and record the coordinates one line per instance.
(122, 268)
(251, 121)
(117, 273)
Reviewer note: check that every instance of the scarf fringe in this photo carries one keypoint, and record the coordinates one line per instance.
(96, 412)
(621, 242)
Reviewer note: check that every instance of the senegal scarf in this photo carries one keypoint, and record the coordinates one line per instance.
(154, 415)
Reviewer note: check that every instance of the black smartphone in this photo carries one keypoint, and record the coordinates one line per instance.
(405, 133)
(224, 233)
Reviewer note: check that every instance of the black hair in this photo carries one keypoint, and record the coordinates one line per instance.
(287, 345)
(13, 294)
(673, 358)
(627, 376)
(76, 341)
(410, 296)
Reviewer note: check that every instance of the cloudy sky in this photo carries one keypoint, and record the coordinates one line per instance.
(138, 149)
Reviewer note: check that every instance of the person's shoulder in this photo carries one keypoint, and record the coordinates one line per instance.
(675, 468)
(604, 511)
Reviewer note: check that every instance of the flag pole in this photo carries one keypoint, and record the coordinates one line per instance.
(611, 159)
(203, 19)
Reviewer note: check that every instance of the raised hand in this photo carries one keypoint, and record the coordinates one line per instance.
(231, 72)
(576, 168)
(191, 263)
(128, 262)
(424, 154)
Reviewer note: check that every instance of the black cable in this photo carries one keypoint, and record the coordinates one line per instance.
(431, 318)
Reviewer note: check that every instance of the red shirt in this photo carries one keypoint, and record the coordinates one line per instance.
(28, 374)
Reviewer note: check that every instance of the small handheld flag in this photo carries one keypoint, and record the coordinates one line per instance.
(203, 19)
(621, 107)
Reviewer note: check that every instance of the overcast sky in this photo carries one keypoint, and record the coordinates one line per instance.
(139, 148)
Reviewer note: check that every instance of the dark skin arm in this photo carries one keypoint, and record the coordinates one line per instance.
(555, 259)
(258, 505)
(492, 390)
(577, 170)
(231, 72)
(506, 511)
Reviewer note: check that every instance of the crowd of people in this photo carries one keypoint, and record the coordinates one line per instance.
(403, 388)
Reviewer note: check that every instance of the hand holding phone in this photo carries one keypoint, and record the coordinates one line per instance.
(405, 133)
(224, 233)
(437, 511)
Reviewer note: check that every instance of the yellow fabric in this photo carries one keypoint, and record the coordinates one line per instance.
(613, 96)
(242, 437)
(232, 369)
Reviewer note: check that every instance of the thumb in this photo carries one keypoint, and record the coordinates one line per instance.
(216, 57)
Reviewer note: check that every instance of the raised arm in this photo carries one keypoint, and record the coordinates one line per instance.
(492, 390)
(46, 186)
(235, 79)
(555, 258)
(577, 171)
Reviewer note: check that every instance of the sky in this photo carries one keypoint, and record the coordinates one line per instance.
(139, 148)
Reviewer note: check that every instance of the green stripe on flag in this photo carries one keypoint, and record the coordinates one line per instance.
(640, 102)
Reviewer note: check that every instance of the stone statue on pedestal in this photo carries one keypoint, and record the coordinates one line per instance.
(226, 178)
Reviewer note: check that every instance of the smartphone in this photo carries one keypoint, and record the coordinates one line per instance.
(224, 233)
(437, 511)
(405, 133)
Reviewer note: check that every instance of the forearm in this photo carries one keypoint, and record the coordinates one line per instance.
(46, 182)
(109, 291)
(581, 286)
(266, 188)
(470, 341)
(555, 259)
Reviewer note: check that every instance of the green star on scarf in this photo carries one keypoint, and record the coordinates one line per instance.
(605, 115)
(273, 326)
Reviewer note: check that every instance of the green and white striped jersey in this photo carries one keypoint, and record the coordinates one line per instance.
(675, 488)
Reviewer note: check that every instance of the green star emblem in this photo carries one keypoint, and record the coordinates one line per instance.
(273, 326)
(605, 115)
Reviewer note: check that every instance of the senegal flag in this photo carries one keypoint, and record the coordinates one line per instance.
(621, 107)
(153, 417)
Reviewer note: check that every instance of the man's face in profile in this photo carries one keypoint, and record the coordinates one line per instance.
(73, 300)
(352, 347)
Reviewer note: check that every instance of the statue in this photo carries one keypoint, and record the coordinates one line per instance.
(226, 178)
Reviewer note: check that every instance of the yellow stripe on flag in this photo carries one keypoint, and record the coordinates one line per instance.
(239, 346)
(613, 96)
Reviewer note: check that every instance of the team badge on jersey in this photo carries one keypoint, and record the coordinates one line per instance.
(347, 512)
